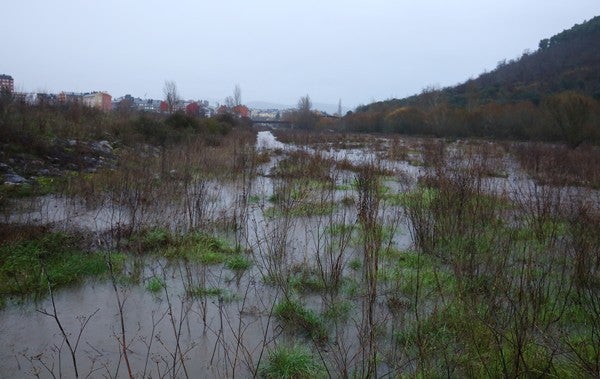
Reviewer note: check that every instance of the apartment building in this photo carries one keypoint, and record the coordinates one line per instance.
(7, 83)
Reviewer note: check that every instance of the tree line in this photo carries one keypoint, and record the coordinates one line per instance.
(567, 116)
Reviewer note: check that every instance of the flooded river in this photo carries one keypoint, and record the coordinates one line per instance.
(171, 334)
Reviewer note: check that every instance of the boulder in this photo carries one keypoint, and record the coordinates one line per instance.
(14, 179)
(102, 147)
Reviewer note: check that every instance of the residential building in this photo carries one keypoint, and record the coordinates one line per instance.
(241, 111)
(98, 100)
(7, 83)
(44, 99)
(193, 109)
(70, 97)
(265, 114)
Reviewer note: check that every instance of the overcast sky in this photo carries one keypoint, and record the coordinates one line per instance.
(276, 50)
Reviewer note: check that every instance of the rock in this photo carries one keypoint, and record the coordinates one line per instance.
(14, 179)
(102, 146)
(44, 172)
(90, 160)
(6, 168)
(71, 142)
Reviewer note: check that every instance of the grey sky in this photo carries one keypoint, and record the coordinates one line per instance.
(277, 51)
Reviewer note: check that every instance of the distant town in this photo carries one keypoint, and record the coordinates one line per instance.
(104, 101)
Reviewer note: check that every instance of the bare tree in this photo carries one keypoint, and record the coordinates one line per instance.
(304, 104)
(171, 94)
(229, 102)
(237, 95)
(305, 118)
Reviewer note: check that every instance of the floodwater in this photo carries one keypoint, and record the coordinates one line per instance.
(158, 327)
(265, 140)
(169, 334)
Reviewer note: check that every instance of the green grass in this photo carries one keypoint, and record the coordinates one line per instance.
(200, 247)
(210, 257)
(301, 280)
(294, 362)
(306, 282)
(338, 311)
(238, 263)
(340, 229)
(423, 196)
(155, 284)
(42, 185)
(294, 315)
(156, 238)
(355, 264)
(406, 269)
(26, 267)
(254, 199)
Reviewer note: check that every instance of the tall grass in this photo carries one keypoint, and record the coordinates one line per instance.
(294, 362)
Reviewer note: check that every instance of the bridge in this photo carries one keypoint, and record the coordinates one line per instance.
(272, 122)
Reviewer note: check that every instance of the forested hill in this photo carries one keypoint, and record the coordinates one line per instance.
(567, 64)
(568, 61)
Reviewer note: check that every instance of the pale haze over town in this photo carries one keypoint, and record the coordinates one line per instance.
(276, 51)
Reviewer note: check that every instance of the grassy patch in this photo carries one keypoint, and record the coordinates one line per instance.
(301, 209)
(156, 238)
(42, 185)
(293, 314)
(424, 197)
(306, 282)
(238, 263)
(200, 247)
(408, 269)
(301, 280)
(294, 362)
(340, 229)
(27, 267)
(355, 264)
(338, 311)
(254, 199)
(155, 284)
